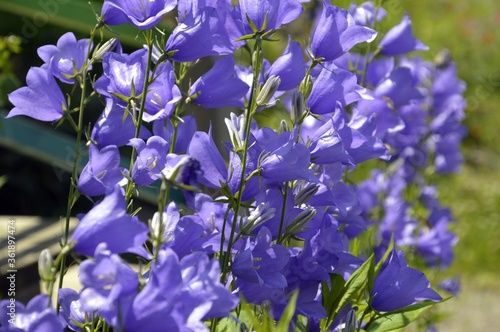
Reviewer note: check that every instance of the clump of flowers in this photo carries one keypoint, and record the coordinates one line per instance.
(273, 227)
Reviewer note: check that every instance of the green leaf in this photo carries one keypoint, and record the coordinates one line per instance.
(397, 320)
(287, 315)
(356, 282)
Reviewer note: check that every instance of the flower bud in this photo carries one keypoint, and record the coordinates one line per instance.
(297, 107)
(300, 221)
(157, 225)
(350, 321)
(268, 90)
(305, 194)
(45, 264)
(104, 48)
(236, 128)
(284, 127)
(258, 216)
(306, 86)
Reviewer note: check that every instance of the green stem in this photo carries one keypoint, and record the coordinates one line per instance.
(249, 112)
(73, 190)
(130, 185)
(283, 210)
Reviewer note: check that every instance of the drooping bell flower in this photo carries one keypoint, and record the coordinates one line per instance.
(336, 33)
(109, 222)
(34, 316)
(398, 285)
(290, 67)
(123, 76)
(367, 14)
(143, 14)
(151, 159)
(400, 39)
(278, 12)
(42, 99)
(220, 86)
(334, 85)
(198, 36)
(109, 284)
(67, 58)
(102, 173)
(112, 129)
(162, 94)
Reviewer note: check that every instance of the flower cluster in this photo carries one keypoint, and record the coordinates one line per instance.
(275, 212)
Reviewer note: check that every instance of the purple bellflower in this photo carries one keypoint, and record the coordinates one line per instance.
(151, 159)
(400, 39)
(398, 285)
(102, 173)
(67, 57)
(124, 75)
(336, 33)
(278, 12)
(260, 262)
(220, 86)
(109, 222)
(290, 67)
(42, 99)
(185, 131)
(334, 85)
(71, 309)
(143, 14)
(364, 14)
(35, 316)
(109, 285)
(162, 94)
(198, 36)
(111, 129)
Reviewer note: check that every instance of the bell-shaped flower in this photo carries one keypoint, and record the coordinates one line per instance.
(260, 262)
(185, 131)
(102, 173)
(287, 162)
(290, 67)
(198, 36)
(214, 168)
(66, 59)
(162, 95)
(367, 14)
(42, 99)
(71, 309)
(109, 284)
(35, 316)
(400, 39)
(336, 33)
(334, 85)
(123, 76)
(109, 222)
(143, 14)
(398, 285)
(220, 86)
(151, 159)
(112, 129)
(274, 12)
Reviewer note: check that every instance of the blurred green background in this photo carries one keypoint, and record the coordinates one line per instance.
(470, 30)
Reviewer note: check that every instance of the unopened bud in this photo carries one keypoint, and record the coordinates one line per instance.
(236, 128)
(297, 107)
(268, 90)
(157, 225)
(306, 193)
(350, 321)
(306, 86)
(259, 216)
(104, 48)
(300, 221)
(45, 264)
(284, 127)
